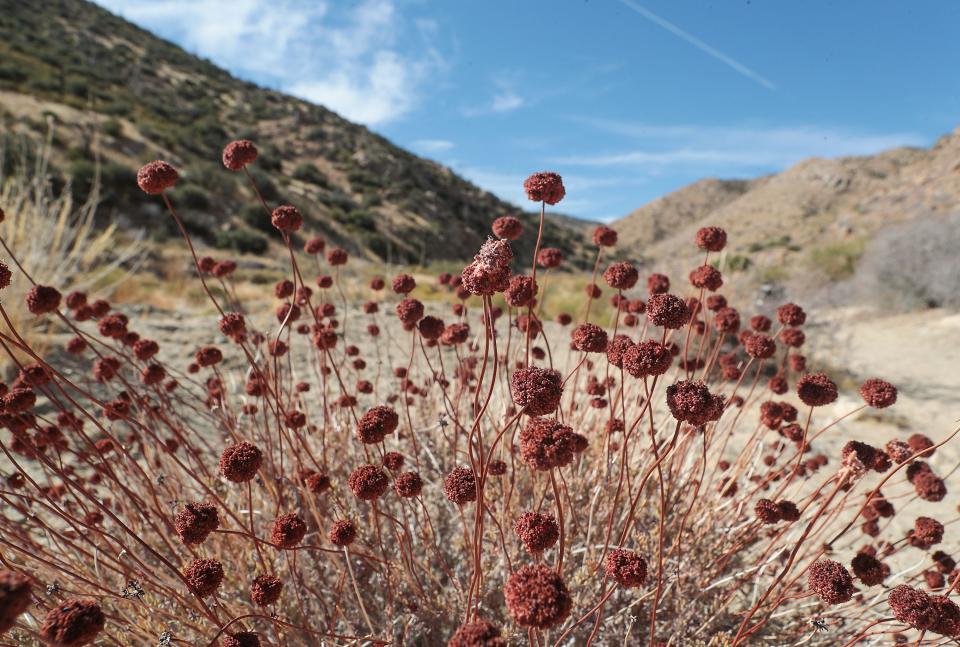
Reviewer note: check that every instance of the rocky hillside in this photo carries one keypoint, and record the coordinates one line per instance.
(813, 222)
(117, 96)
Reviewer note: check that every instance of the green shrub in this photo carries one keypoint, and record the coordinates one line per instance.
(111, 127)
(838, 260)
(242, 240)
(309, 173)
(191, 196)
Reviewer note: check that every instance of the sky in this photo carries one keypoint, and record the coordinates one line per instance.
(626, 99)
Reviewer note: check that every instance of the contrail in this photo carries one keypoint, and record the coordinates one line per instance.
(699, 44)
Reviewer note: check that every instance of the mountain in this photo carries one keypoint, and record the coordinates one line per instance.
(814, 221)
(117, 96)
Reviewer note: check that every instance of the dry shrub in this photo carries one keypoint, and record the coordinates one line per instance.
(388, 475)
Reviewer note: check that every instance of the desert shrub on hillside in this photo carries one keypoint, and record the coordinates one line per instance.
(387, 474)
(912, 265)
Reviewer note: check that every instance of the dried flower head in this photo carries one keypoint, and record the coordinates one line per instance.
(343, 533)
(711, 239)
(507, 227)
(286, 218)
(604, 236)
(203, 576)
(239, 463)
(73, 623)
(544, 186)
(621, 276)
(42, 299)
(537, 597)
(238, 154)
(478, 633)
(195, 522)
(460, 486)
(265, 590)
(15, 592)
(830, 581)
(626, 568)
(912, 607)
(377, 423)
(816, 390)
(156, 177)
(288, 530)
(537, 390)
(536, 531)
(668, 311)
(546, 444)
(408, 485)
(368, 482)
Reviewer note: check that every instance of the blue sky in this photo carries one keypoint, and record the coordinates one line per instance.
(627, 99)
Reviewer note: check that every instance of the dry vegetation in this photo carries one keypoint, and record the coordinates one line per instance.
(476, 477)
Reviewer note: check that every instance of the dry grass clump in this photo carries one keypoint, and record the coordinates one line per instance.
(394, 474)
(54, 240)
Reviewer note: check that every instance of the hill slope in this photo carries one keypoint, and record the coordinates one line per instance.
(814, 219)
(119, 94)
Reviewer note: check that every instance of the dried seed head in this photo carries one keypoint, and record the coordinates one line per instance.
(626, 568)
(537, 597)
(545, 186)
(507, 227)
(460, 486)
(368, 482)
(239, 463)
(156, 177)
(203, 576)
(536, 531)
(73, 623)
(265, 590)
(830, 581)
(546, 444)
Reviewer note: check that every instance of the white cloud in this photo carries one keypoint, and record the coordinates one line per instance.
(432, 145)
(349, 60)
(506, 102)
(744, 147)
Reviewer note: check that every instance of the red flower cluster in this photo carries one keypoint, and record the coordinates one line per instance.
(544, 186)
(537, 390)
(73, 623)
(239, 463)
(156, 177)
(691, 401)
(830, 581)
(507, 227)
(537, 597)
(546, 444)
(479, 633)
(589, 338)
(376, 424)
(621, 276)
(238, 154)
(368, 482)
(460, 486)
(195, 522)
(203, 576)
(288, 530)
(537, 531)
(626, 568)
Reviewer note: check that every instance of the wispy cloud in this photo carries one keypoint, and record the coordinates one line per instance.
(431, 145)
(699, 44)
(349, 60)
(505, 98)
(711, 148)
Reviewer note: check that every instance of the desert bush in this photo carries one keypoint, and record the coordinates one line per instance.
(378, 475)
(54, 238)
(911, 265)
